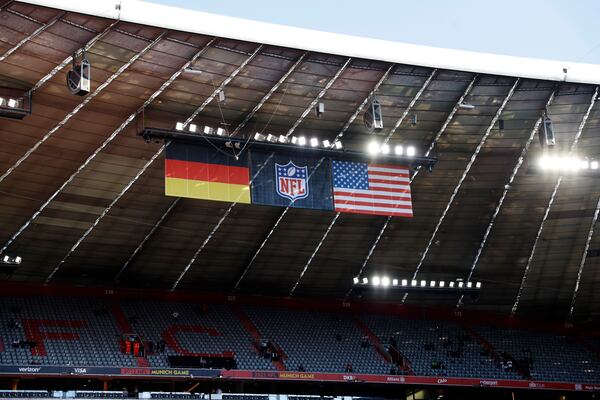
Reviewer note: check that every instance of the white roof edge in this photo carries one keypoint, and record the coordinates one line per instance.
(331, 43)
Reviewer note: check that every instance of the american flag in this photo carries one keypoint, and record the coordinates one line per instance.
(371, 189)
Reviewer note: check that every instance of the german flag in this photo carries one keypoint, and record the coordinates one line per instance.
(201, 172)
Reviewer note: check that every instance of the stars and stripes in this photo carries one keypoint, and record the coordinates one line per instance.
(371, 189)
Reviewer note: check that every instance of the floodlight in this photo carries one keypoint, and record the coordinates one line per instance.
(413, 283)
(208, 130)
(271, 138)
(469, 285)
(320, 109)
(385, 149)
(355, 280)
(259, 137)
(432, 284)
(584, 164)
(326, 143)
(460, 284)
(6, 259)
(404, 282)
(365, 280)
(385, 281)
(337, 144)
(179, 126)
(221, 131)
(314, 142)
(373, 147)
(478, 285)
(594, 165)
(423, 283)
(451, 284)
(294, 140)
(18, 260)
(2, 102)
(410, 151)
(376, 280)
(192, 128)
(442, 283)
(394, 282)
(283, 139)
(399, 150)
(301, 141)
(12, 103)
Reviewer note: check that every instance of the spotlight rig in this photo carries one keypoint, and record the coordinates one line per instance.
(377, 282)
(79, 79)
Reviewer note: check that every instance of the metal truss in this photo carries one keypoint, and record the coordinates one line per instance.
(228, 211)
(338, 137)
(583, 259)
(237, 129)
(427, 153)
(108, 140)
(221, 86)
(148, 163)
(507, 187)
(32, 35)
(549, 206)
(462, 178)
(78, 108)
(388, 137)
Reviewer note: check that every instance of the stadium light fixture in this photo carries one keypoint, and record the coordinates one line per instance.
(432, 284)
(399, 150)
(478, 285)
(404, 282)
(376, 280)
(326, 143)
(423, 283)
(192, 128)
(301, 141)
(179, 126)
(283, 139)
(355, 280)
(314, 142)
(221, 131)
(338, 145)
(413, 283)
(442, 284)
(208, 130)
(410, 151)
(385, 149)
(385, 281)
(594, 165)
(394, 282)
(373, 147)
(365, 281)
(469, 284)
(272, 138)
(12, 103)
(8, 260)
(451, 284)
(259, 137)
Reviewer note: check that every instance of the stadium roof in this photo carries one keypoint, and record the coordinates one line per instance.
(83, 198)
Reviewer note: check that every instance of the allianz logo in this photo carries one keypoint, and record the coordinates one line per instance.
(30, 369)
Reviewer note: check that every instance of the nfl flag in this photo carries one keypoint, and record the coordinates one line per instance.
(376, 189)
(295, 181)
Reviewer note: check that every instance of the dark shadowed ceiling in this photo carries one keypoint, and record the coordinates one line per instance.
(81, 202)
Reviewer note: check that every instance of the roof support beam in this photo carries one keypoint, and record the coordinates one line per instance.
(268, 95)
(78, 108)
(462, 179)
(549, 206)
(149, 162)
(427, 153)
(69, 59)
(237, 129)
(32, 35)
(387, 139)
(228, 211)
(507, 187)
(108, 140)
(338, 137)
(216, 92)
(104, 212)
(189, 120)
(583, 258)
(146, 238)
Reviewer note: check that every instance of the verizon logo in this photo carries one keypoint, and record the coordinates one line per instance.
(30, 369)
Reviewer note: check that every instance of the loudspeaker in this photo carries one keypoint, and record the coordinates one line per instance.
(373, 118)
(79, 77)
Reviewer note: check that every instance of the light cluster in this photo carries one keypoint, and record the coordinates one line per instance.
(566, 164)
(375, 148)
(10, 103)
(11, 260)
(384, 281)
(261, 137)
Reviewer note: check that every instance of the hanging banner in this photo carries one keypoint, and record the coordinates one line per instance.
(284, 180)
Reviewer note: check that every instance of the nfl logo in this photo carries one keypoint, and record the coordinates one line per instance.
(292, 181)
